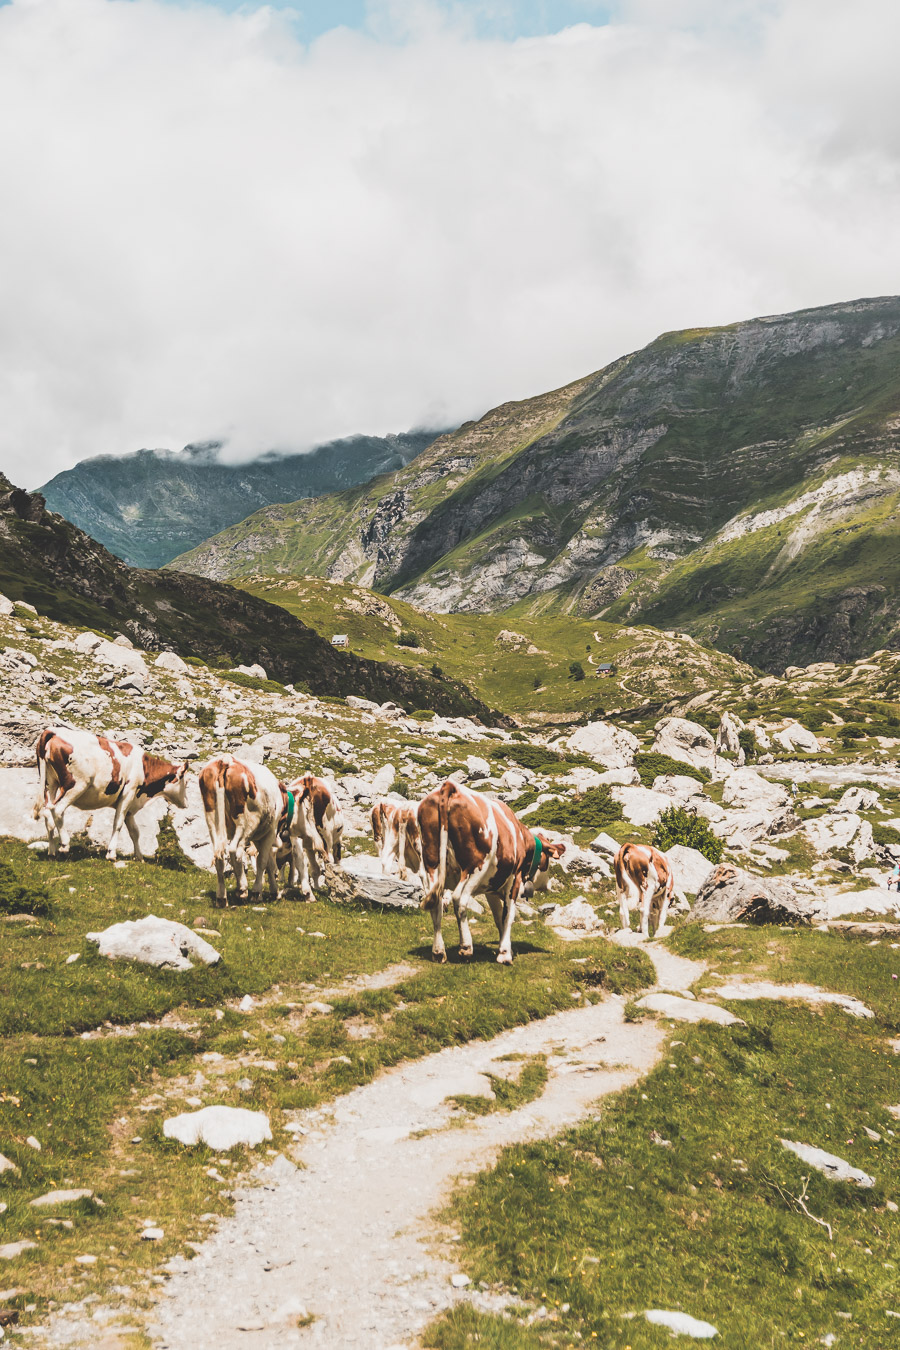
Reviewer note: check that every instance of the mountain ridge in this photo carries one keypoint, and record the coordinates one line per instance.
(609, 496)
(149, 506)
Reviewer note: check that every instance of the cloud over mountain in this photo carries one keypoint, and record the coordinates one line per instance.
(212, 230)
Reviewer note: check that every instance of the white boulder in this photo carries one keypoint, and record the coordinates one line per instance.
(170, 661)
(679, 786)
(478, 767)
(155, 942)
(601, 741)
(690, 866)
(685, 741)
(858, 799)
(836, 1169)
(728, 735)
(6, 606)
(796, 737)
(641, 805)
(383, 780)
(577, 916)
(687, 1009)
(762, 738)
(746, 788)
(219, 1127)
(681, 1324)
(839, 830)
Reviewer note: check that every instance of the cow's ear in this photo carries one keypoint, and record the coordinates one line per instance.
(182, 770)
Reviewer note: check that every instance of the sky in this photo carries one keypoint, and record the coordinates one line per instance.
(274, 225)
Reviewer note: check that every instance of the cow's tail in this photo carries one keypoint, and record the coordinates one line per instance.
(220, 826)
(41, 753)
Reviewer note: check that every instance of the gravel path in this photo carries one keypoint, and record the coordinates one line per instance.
(348, 1236)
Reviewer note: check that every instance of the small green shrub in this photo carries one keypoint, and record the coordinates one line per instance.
(408, 639)
(885, 834)
(251, 681)
(676, 825)
(576, 670)
(748, 744)
(18, 896)
(203, 715)
(169, 852)
(650, 765)
(593, 810)
(436, 671)
(534, 757)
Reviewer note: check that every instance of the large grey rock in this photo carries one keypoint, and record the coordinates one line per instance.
(728, 735)
(611, 746)
(578, 916)
(690, 866)
(858, 799)
(155, 942)
(688, 1009)
(762, 738)
(746, 788)
(170, 661)
(257, 671)
(477, 767)
(641, 805)
(679, 786)
(61, 1197)
(686, 741)
(797, 737)
(6, 606)
(114, 657)
(836, 1169)
(383, 780)
(840, 830)
(219, 1127)
(731, 895)
(359, 880)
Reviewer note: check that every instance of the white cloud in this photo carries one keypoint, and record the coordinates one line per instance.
(210, 230)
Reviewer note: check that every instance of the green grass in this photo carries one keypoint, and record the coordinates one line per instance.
(711, 1225)
(83, 1098)
(509, 1093)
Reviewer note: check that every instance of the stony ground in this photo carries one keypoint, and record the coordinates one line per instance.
(351, 1204)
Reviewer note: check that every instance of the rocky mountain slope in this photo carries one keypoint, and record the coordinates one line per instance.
(150, 506)
(69, 577)
(740, 483)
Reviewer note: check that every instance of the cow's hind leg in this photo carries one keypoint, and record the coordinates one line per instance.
(664, 911)
(435, 906)
(462, 922)
(468, 887)
(624, 909)
(648, 890)
(508, 914)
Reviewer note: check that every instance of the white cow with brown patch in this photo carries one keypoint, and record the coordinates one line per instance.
(77, 768)
(395, 830)
(315, 829)
(473, 845)
(243, 805)
(642, 874)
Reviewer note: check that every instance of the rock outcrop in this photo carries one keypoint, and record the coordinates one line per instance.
(731, 895)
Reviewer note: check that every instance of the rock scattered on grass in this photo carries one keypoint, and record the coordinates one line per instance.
(577, 916)
(836, 1169)
(154, 942)
(6, 1165)
(688, 1010)
(730, 894)
(680, 1324)
(10, 1250)
(62, 1197)
(220, 1127)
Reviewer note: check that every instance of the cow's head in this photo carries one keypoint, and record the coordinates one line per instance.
(175, 790)
(554, 850)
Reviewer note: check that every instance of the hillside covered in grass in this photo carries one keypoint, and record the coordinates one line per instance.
(739, 483)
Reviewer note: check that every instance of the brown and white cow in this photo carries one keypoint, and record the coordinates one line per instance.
(642, 873)
(316, 829)
(539, 879)
(243, 805)
(395, 830)
(472, 845)
(77, 768)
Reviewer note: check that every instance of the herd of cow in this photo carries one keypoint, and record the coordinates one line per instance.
(455, 839)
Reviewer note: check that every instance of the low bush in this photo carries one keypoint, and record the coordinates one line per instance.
(251, 681)
(592, 811)
(18, 896)
(747, 742)
(407, 638)
(676, 825)
(885, 834)
(650, 765)
(203, 715)
(169, 852)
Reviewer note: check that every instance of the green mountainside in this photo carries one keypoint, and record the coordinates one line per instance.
(150, 506)
(739, 483)
(66, 575)
(514, 661)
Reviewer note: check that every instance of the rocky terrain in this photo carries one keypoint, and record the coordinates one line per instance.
(56, 567)
(738, 483)
(326, 1045)
(150, 506)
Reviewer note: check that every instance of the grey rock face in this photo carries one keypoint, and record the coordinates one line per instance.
(731, 895)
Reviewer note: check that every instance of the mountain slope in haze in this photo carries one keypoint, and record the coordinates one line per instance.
(68, 576)
(741, 483)
(150, 506)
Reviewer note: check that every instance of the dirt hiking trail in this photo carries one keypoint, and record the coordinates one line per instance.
(348, 1236)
